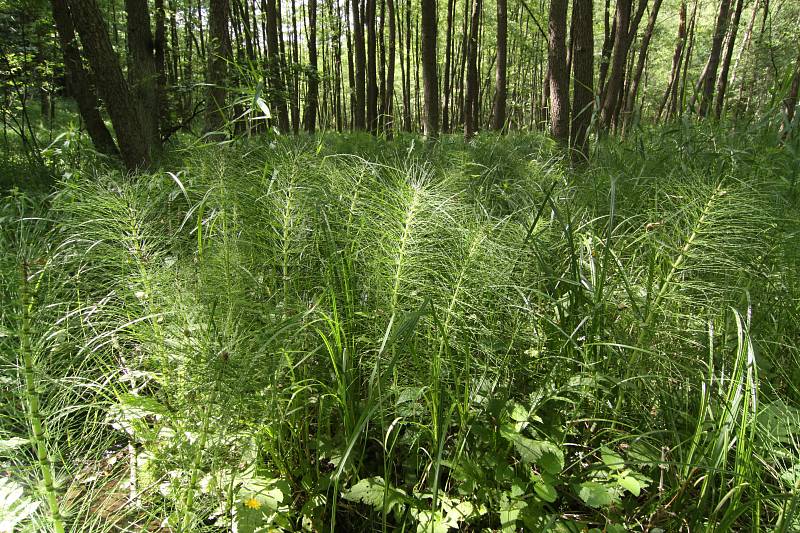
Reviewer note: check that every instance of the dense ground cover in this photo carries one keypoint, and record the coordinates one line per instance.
(340, 333)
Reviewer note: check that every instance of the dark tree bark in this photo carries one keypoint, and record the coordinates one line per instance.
(789, 123)
(448, 62)
(142, 73)
(134, 145)
(671, 93)
(471, 98)
(722, 82)
(407, 115)
(217, 73)
(705, 85)
(359, 118)
(78, 83)
(160, 56)
(372, 72)
(388, 103)
(429, 73)
(310, 115)
(583, 74)
(630, 99)
(609, 36)
(559, 76)
(619, 56)
(274, 68)
(500, 73)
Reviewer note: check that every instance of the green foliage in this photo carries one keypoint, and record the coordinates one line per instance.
(340, 333)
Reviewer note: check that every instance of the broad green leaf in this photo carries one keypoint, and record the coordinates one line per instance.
(540, 452)
(594, 494)
(631, 484)
(611, 459)
(509, 512)
(546, 492)
(374, 492)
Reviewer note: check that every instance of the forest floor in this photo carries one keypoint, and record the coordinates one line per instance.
(345, 333)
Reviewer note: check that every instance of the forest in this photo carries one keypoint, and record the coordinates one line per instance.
(399, 265)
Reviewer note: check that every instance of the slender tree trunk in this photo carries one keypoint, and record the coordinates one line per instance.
(78, 83)
(583, 74)
(372, 74)
(789, 123)
(294, 73)
(160, 54)
(620, 54)
(722, 82)
(388, 103)
(559, 76)
(274, 68)
(133, 143)
(671, 93)
(429, 73)
(705, 85)
(359, 118)
(143, 74)
(609, 36)
(500, 73)
(448, 62)
(632, 93)
(471, 99)
(310, 118)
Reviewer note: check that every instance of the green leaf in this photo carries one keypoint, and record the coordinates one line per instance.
(546, 492)
(540, 452)
(509, 511)
(611, 459)
(631, 484)
(374, 492)
(594, 494)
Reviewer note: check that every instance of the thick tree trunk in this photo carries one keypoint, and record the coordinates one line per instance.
(448, 62)
(142, 73)
(722, 82)
(500, 73)
(78, 83)
(429, 73)
(274, 67)
(217, 73)
(559, 76)
(160, 55)
(471, 98)
(134, 145)
(583, 74)
(310, 115)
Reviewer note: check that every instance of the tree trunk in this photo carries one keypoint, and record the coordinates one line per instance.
(388, 103)
(429, 73)
(671, 93)
(143, 75)
(372, 73)
(620, 54)
(134, 145)
(448, 62)
(274, 67)
(630, 101)
(359, 119)
(559, 76)
(216, 75)
(705, 85)
(583, 74)
(722, 82)
(790, 102)
(78, 83)
(160, 55)
(310, 118)
(500, 73)
(471, 98)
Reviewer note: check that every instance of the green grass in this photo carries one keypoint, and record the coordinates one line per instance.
(345, 333)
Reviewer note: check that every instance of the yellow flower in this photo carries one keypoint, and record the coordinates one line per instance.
(252, 503)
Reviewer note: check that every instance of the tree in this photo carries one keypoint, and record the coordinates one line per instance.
(215, 117)
(142, 72)
(372, 75)
(359, 118)
(471, 97)
(77, 81)
(499, 118)
(559, 74)
(388, 102)
(722, 82)
(275, 65)
(630, 98)
(583, 73)
(310, 115)
(705, 85)
(429, 74)
(134, 145)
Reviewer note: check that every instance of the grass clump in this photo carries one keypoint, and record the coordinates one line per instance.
(339, 332)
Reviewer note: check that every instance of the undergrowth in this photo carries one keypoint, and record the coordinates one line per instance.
(340, 333)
